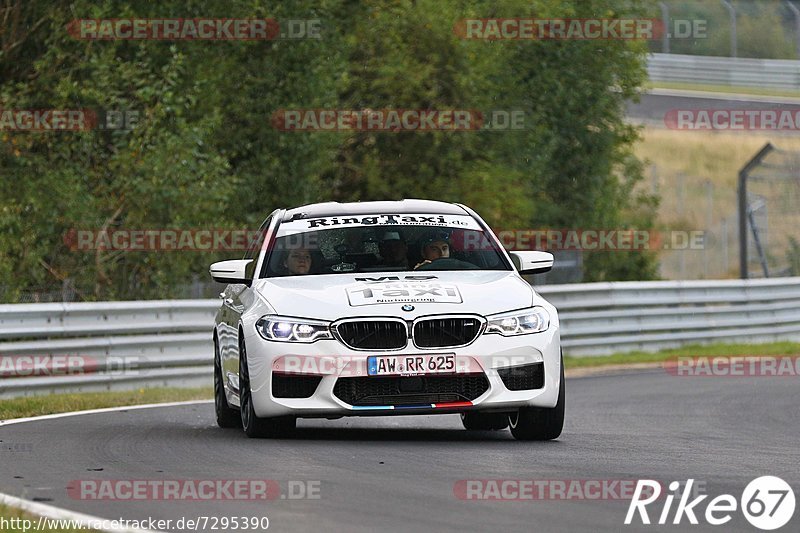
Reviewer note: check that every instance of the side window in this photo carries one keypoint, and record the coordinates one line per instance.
(255, 247)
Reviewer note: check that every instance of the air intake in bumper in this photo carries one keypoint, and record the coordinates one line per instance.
(294, 385)
(523, 377)
(398, 390)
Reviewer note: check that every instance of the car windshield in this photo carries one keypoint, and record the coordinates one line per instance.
(382, 243)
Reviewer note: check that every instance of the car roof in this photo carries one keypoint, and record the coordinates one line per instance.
(366, 208)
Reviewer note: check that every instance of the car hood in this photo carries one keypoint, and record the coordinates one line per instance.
(335, 296)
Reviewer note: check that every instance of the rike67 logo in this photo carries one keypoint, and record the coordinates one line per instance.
(767, 503)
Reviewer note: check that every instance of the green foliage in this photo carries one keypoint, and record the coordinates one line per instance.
(164, 173)
(691, 350)
(29, 406)
(205, 155)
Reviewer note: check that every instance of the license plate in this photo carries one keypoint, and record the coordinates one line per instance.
(411, 365)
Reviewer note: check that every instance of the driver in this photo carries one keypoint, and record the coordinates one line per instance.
(436, 246)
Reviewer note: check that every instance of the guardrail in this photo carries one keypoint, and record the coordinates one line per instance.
(603, 318)
(79, 347)
(119, 345)
(781, 74)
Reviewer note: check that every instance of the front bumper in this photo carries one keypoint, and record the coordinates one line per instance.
(330, 361)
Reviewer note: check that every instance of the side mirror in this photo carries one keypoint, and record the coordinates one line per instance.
(532, 262)
(232, 271)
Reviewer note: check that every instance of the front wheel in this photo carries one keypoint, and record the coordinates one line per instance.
(540, 423)
(253, 425)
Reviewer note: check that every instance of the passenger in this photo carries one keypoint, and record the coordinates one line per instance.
(393, 250)
(298, 262)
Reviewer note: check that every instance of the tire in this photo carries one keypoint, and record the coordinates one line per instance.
(484, 421)
(540, 423)
(227, 417)
(253, 425)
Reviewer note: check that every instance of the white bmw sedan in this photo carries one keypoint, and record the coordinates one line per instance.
(385, 308)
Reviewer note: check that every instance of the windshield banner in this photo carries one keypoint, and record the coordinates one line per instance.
(405, 219)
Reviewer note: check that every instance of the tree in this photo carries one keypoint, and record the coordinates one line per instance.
(204, 153)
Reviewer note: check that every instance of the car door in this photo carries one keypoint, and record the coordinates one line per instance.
(236, 298)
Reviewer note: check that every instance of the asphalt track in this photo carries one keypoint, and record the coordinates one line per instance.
(398, 473)
(653, 106)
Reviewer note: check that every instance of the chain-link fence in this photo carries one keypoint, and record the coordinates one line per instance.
(697, 223)
(67, 293)
(769, 214)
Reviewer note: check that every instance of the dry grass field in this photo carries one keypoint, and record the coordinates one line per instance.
(695, 173)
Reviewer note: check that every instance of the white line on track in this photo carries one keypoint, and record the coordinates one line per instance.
(97, 411)
(57, 513)
(82, 521)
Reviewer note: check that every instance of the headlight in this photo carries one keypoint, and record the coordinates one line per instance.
(533, 320)
(286, 329)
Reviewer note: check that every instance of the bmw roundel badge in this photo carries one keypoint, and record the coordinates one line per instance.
(408, 307)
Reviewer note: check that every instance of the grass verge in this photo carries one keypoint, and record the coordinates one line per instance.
(757, 91)
(711, 350)
(62, 403)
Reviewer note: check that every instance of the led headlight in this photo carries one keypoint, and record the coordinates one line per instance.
(286, 329)
(533, 320)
